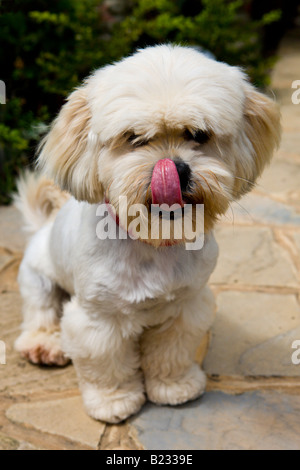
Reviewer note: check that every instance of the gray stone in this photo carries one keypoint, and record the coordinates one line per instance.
(244, 322)
(275, 353)
(256, 209)
(217, 421)
(250, 255)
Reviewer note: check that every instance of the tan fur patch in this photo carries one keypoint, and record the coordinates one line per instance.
(67, 156)
(38, 200)
(263, 129)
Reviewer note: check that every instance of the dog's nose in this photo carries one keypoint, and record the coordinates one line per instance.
(184, 173)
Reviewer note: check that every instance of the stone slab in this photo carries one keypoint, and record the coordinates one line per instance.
(282, 181)
(11, 235)
(17, 375)
(290, 115)
(297, 241)
(216, 421)
(276, 352)
(8, 276)
(9, 443)
(5, 258)
(251, 255)
(248, 335)
(257, 209)
(65, 417)
(286, 70)
(290, 142)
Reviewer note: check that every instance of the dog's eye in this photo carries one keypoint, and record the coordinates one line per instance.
(136, 140)
(201, 137)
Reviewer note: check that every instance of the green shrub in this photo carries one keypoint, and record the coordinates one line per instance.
(45, 54)
(220, 26)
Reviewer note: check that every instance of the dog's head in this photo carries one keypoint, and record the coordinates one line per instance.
(166, 125)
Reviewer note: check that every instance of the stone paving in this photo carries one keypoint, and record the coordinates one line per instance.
(253, 391)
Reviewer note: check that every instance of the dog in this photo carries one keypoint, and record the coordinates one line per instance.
(166, 125)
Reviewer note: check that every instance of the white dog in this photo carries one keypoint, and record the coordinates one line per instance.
(166, 125)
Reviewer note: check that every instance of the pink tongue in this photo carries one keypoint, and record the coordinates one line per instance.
(165, 184)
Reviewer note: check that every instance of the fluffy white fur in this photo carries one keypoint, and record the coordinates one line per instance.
(131, 314)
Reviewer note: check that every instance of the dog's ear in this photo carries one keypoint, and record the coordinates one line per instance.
(260, 136)
(68, 153)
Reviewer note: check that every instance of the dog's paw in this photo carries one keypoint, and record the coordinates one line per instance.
(42, 347)
(114, 406)
(175, 392)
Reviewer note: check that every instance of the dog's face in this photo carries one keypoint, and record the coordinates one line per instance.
(166, 125)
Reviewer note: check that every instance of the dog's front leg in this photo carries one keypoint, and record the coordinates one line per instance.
(168, 352)
(106, 357)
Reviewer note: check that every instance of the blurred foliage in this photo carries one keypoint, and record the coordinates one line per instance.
(48, 48)
(220, 26)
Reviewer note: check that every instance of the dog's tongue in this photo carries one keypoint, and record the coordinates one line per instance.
(165, 184)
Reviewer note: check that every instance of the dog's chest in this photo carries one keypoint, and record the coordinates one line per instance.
(144, 286)
(133, 278)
